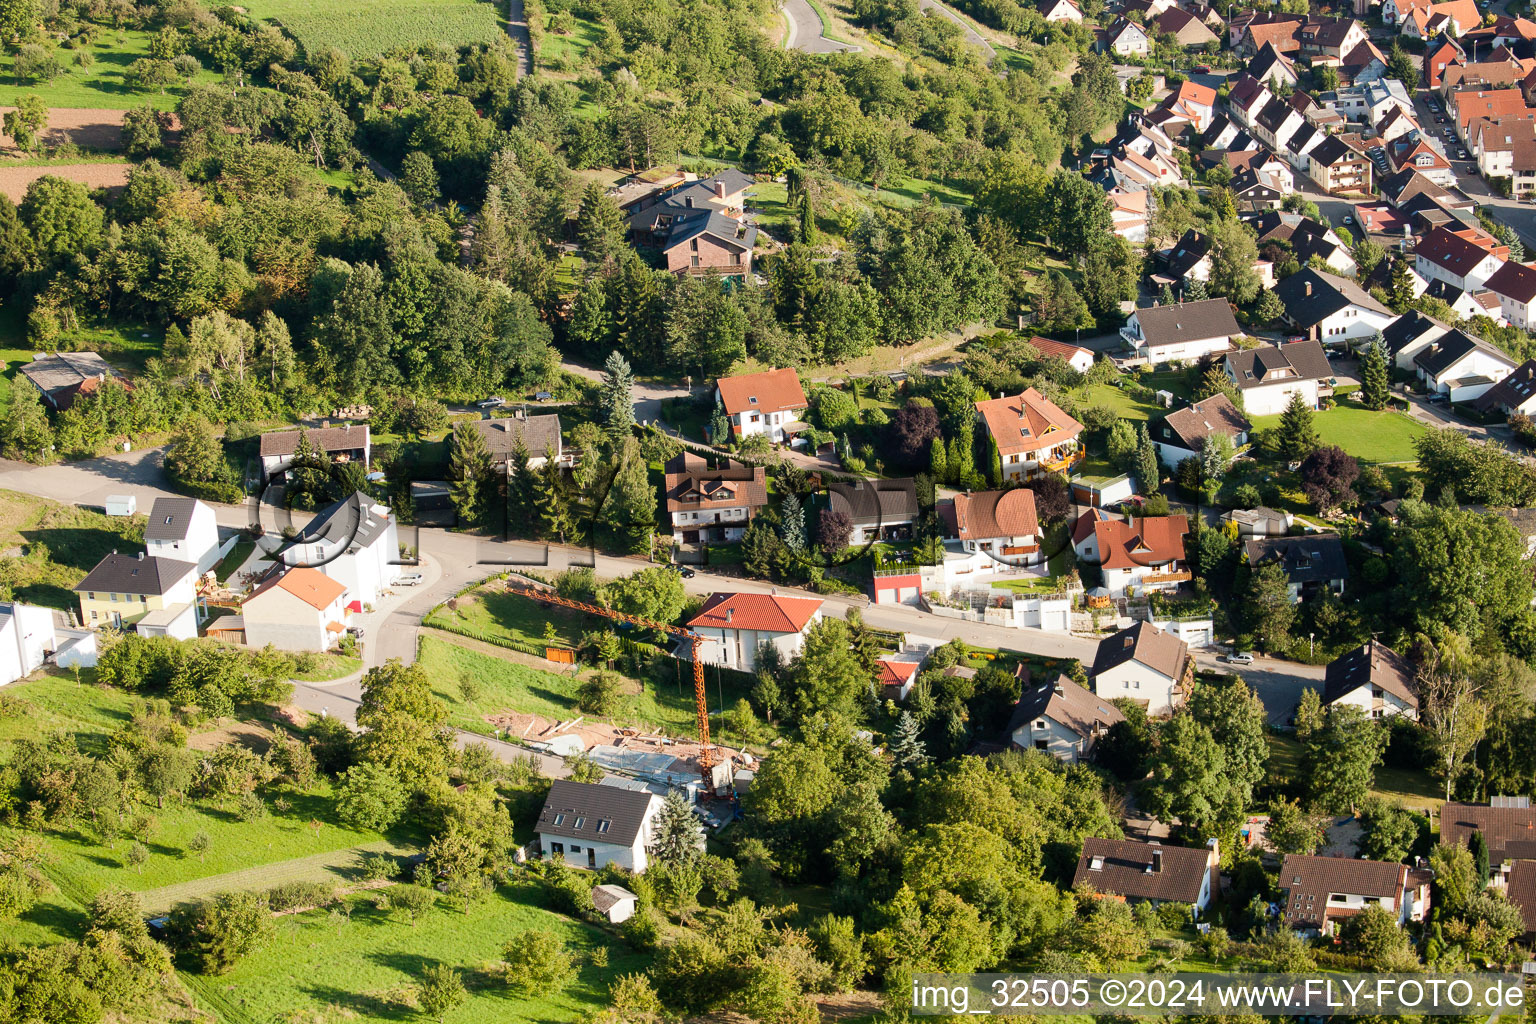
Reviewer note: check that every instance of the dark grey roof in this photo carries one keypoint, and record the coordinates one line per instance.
(345, 438)
(1144, 643)
(1274, 114)
(716, 225)
(1299, 360)
(606, 814)
(1310, 297)
(1190, 426)
(1408, 328)
(1315, 558)
(169, 518)
(354, 520)
(1333, 150)
(1267, 60)
(1373, 664)
(1445, 351)
(1187, 321)
(1189, 250)
(1066, 703)
(1511, 392)
(135, 574)
(873, 502)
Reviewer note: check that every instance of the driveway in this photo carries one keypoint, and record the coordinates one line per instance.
(806, 30)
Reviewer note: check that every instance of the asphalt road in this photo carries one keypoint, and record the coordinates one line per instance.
(971, 35)
(805, 30)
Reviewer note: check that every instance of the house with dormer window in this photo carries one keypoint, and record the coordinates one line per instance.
(1182, 330)
(712, 505)
(1268, 375)
(590, 825)
(1033, 434)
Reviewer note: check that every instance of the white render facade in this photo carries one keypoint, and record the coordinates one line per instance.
(737, 648)
(1352, 323)
(1377, 702)
(1141, 683)
(27, 636)
(593, 854)
(1471, 278)
(199, 545)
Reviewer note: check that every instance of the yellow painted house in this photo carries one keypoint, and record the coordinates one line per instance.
(123, 589)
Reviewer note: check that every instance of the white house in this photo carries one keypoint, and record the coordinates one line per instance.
(1150, 872)
(1322, 891)
(298, 609)
(1134, 555)
(1374, 678)
(1034, 435)
(1331, 309)
(1147, 665)
(1125, 38)
(355, 542)
(26, 639)
(184, 529)
(1001, 525)
(1267, 376)
(735, 625)
(712, 504)
(1075, 356)
(1515, 395)
(1183, 330)
(770, 403)
(1515, 285)
(1061, 718)
(1465, 258)
(346, 443)
(1060, 10)
(1461, 366)
(1181, 435)
(1411, 334)
(592, 826)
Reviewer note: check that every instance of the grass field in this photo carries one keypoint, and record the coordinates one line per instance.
(105, 83)
(61, 544)
(331, 867)
(505, 685)
(1414, 789)
(500, 614)
(367, 28)
(365, 967)
(56, 703)
(1122, 402)
(1380, 437)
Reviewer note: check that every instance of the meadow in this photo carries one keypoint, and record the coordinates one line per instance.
(105, 82)
(368, 28)
(1371, 436)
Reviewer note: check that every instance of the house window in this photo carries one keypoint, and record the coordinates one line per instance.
(90, 596)
(1039, 723)
(1337, 897)
(579, 823)
(559, 819)
(575, 848)
(696, 261)
(603, 826)
(1040, 744)
(736, 259)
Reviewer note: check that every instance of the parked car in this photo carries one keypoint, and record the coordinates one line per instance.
(543, 396)
(494, 402)
(410, 579)
(1236, 658)
(1203, 69)
(1348, 219)
(685, 572)
(1461, 154)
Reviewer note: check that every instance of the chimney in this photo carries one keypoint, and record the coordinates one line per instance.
(719, 189)
(1157, 861)
(1306, 289)
(141, 556)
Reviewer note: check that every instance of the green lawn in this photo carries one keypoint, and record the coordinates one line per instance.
(1122, 402)
(493, 612)
(105, 83)
(232, 562)
(127, 346)
(57, 703)
(505, 685)
(1414, 789)
(553, 47)
(364, 967)
(60, 543)
(1384, 436)
(367, 28)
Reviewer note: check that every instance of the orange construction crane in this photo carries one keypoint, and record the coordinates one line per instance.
(709, 755)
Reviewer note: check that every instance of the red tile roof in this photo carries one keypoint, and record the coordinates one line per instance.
(988, 514)
(769, 391)
(1151, 541)
(767, 613)
(896, 673)
(1048, 348)
(311, 586)
(1027, 422)
(1458, 251)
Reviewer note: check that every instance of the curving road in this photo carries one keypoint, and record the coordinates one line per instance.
(806, 30)
(971, 35)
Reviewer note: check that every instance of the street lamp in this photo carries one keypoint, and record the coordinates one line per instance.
(1309, 645)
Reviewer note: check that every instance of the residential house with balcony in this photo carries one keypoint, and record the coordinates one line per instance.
(1134, 555)
(1032, 433)
(712, 505)
(1182, 434)
(1144, 664)
(1322, 891)
(698, 225)
(1374, 678)
(1061, 718)
(1336, 167)
(1311, 563)
(1415, 151)
(771, 403)
(999, 525)
(1181, 331)
(878, 509)
(1331, 309)
(1268, 375)
(346, 443)
(734, 626)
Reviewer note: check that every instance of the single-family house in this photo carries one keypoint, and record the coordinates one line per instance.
(1515, 285)
(1186, 29)
(1461, 366)
(770, 403)
(1338, 167)
(1273, 68)
(879, 509)
(1149, 666)
(298, 609)
(1307, 238)
(1465, 105)
(1181, 434)
(1509, 829)
(1269, 375)
(356, 542)
(346, 443)
(1075, 356)
(1061, 10)
(698, 225)
(123, 589)
(1181, 331)
(1135, 555)
(1322, 891)
(1311, 563)
(1409, 335)
(1440, 53)
(1520, 888)
(1515, 395)
(1130, 211)
(1061, 718)
(591, 825)
(1331, 309)
(735, 625)
(1002, 524)
(1374, 678)
(712, 505)
(1247, 97)
(539, 436)
(27, 637)
(183, 529)
(1276, 122)
(1125, 38)
(1188, 260)
(1466, 303)
(1415, 151)
(1033, 434)
(1150, 872)
(61, 377)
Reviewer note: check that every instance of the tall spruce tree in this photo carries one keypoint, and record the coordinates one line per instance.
(630, 506)
(792, 523)
(1374, 382)
(907, 750)
(1297, 437)
(617, 399)
(522, 512)
(1148, 474)
(471, 473)
(557, 520)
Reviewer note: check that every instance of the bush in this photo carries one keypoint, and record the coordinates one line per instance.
(537, 963)
(835, 410)
(643, 930)
(294, 895)
(378, 867)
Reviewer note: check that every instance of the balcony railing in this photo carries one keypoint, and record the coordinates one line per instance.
(1167, 577)
(1064, 463)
